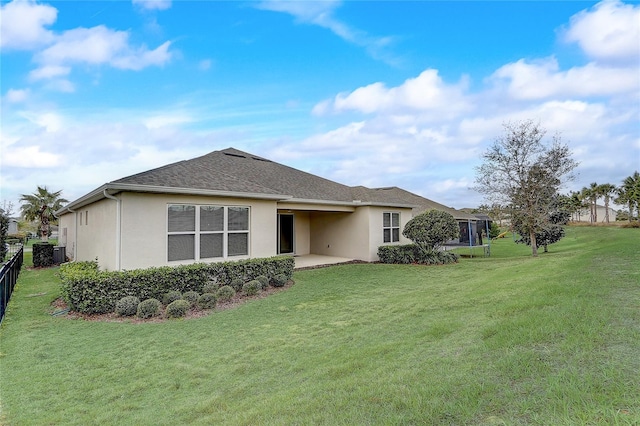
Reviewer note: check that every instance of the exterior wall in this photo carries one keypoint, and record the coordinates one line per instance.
(95, 237)
(67, 226)
(144, 227)
(302, 230)
(375, 229)
(585, 215)
(354, 235)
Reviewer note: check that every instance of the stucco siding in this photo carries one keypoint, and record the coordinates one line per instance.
(144, 227)
(91, 233)
(376, 227)
(341, 234)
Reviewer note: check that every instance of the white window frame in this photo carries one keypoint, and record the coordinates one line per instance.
(391, 227)
(197, 233)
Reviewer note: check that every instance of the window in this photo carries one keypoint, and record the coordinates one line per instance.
(391, 227)
(198, 232)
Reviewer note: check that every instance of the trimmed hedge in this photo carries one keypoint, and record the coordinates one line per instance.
(411, 253)
(42, 255)
(88, 290)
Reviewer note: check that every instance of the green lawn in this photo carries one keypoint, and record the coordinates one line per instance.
(503, 340)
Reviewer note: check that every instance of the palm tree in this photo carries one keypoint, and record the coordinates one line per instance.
(594, 192)
(40, 206)
(629, 193)
(607, 190)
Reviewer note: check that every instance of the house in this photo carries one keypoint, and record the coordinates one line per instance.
(229, 205)
(584, 214)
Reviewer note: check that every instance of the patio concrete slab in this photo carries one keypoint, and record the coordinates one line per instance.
(314, 260)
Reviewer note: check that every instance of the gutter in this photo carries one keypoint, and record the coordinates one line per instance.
(118, 226)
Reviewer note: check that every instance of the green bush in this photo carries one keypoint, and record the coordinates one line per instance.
(191, 297)
(225, 293)
(411, 253)
(148, 308)
(177, 308)
(42, 255)
(207, 301)
(210, 287)
(264, 281)
(88, 290)
(252, 287)
(127, 306)
(237, 284)
(279, 280)
(171, 296)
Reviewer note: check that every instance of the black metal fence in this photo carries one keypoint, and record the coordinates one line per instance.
(8, 278)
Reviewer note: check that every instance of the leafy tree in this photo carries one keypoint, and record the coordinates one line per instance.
(629, 194)
(4, 227)
(553, 229)
(520, 170)
(431, 229)
(40, 206)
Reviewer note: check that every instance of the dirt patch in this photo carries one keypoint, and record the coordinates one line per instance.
(60, 308)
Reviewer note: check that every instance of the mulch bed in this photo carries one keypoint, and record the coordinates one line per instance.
(59, 306)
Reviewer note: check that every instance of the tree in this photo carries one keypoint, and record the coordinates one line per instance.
(520, 170)
(431, 229)
(606, 190)
(4, 226)
(629, 194)
(40, 206)
(553, 229)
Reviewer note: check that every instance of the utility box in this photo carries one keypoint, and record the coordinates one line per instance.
(59, 255)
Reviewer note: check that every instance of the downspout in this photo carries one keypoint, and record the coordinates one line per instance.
(118, 226)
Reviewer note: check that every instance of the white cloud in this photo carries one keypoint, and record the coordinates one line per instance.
(543, 79)
(96, 46)
(17, 95)
(23, 25)
(153, 4)
(424, 93)
(49, 71)
(610, 31)
(321, 13)
(29, 156)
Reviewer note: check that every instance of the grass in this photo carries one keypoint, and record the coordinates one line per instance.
(502, 340)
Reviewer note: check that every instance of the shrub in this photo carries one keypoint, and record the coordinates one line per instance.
(207, 301)
(88, 290)
(264, 281)
(431, 229)
(177, 308)
(148, 308)
(411, 253)
(279, 280)
(191, 297)
(237, 284)
(210, 287)
(171, 296)
(127, 306)
(42, 255)
(252, 287)
(225, 293)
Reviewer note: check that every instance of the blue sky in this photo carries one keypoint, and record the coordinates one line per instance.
(374, 93)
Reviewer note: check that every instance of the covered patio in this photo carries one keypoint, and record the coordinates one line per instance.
(317, 260)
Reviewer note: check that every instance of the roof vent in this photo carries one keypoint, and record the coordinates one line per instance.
(234, 155)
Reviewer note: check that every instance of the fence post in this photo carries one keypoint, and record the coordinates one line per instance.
(8, 278)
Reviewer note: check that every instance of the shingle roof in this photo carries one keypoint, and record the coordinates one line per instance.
(399, 195)
(234, 171)
(237, 171)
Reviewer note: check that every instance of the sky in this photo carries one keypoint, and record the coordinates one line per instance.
(374, 93)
